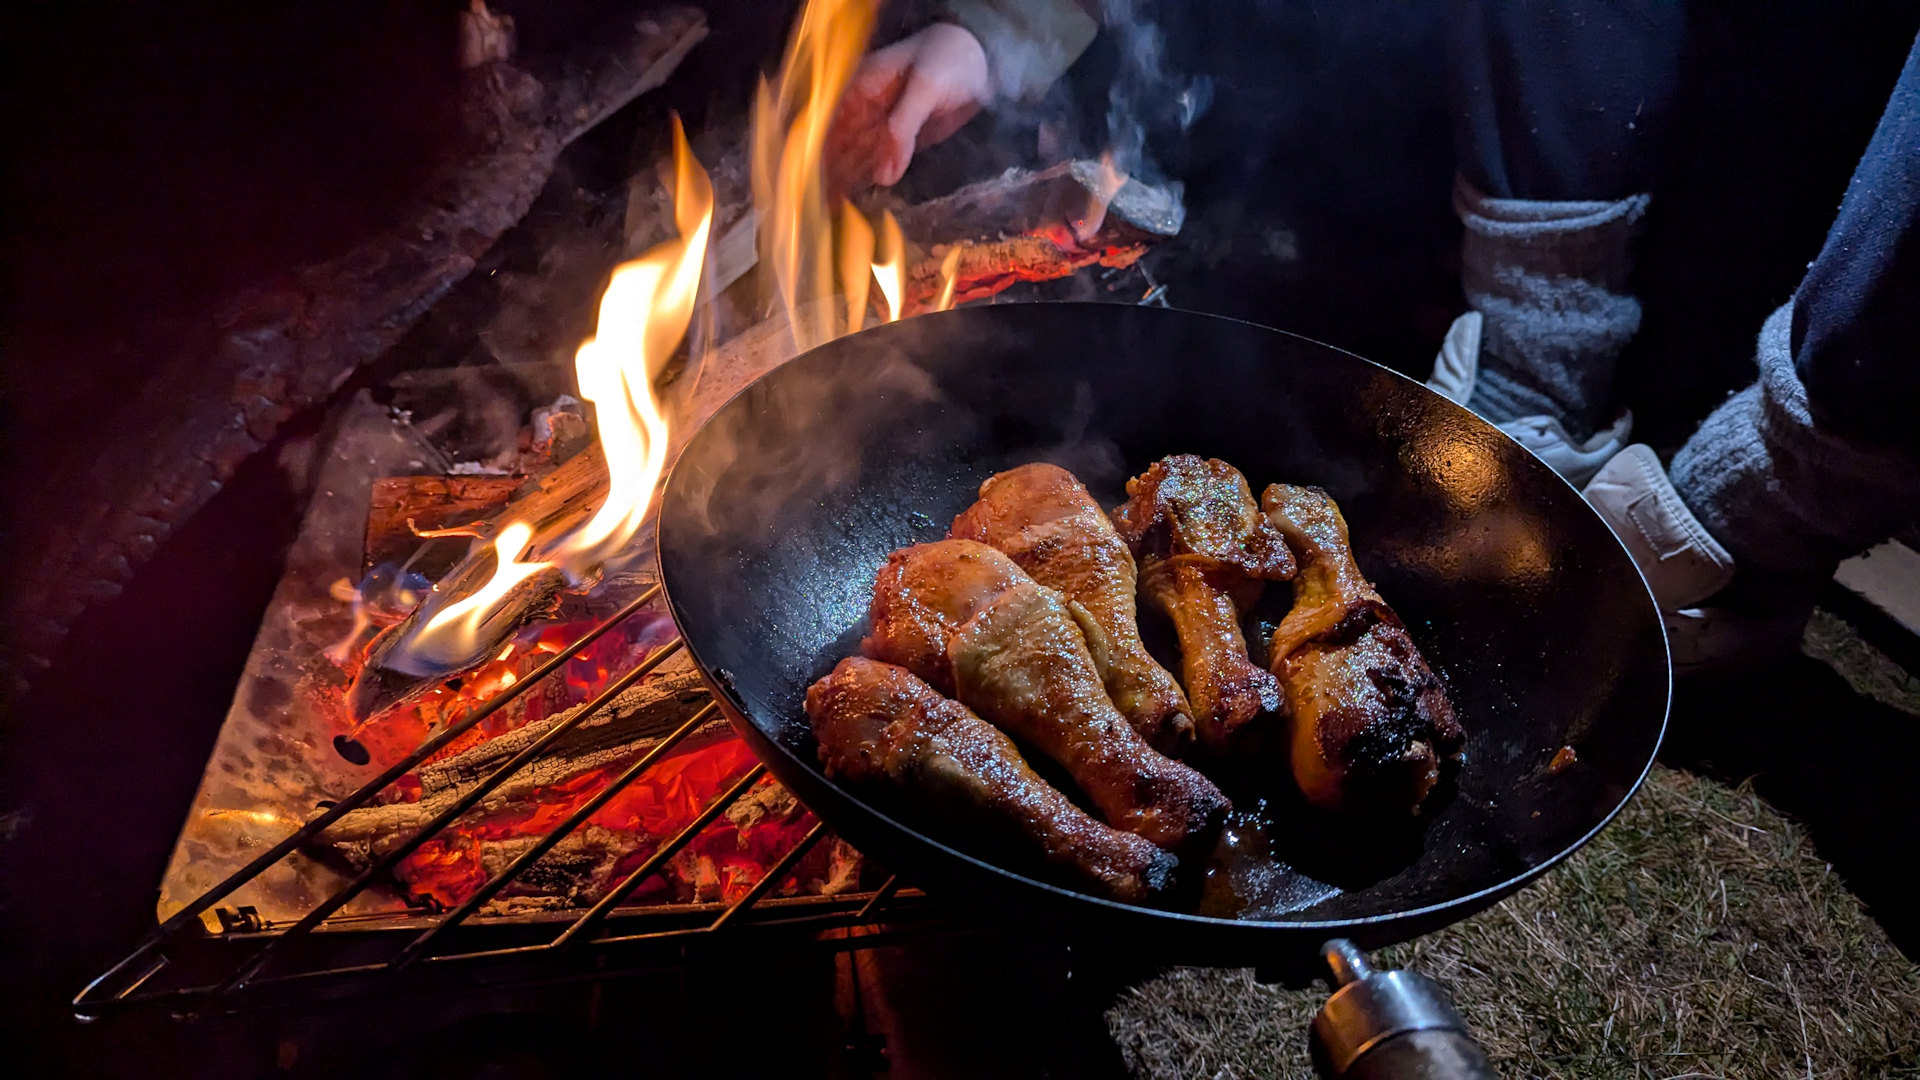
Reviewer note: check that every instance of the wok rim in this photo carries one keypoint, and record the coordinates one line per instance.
(1460, 906)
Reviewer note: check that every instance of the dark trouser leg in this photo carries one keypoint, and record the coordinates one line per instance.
(1556, 108)
(1561, 101)
(1821, 456)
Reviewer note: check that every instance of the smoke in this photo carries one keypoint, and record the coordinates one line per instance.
(1148, 92)
(771, 450)
(900, 422)
(1125, 94)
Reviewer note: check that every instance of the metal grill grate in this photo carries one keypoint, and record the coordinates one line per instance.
(325, 955)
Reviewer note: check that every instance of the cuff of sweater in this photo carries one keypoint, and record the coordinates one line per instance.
(1029, 43)
(1783, 492)
(1583, 240)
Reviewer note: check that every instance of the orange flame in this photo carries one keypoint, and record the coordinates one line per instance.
(643, 317)
(856, 259)
(790, 128)
(644, 314)
(949, 277)
(860, 271)
(449, 637)
(890, 270)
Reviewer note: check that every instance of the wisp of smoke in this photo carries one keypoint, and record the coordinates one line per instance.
(1145, 85)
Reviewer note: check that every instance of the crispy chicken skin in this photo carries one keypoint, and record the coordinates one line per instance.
(882, 728)
(1370, 721)
(1042, 518)
(912, 621)
(1019, 658)
(1205, 552)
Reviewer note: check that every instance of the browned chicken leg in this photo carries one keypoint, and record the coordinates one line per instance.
(881, 727)
(1370, 720)
(1019, 658)
(1205, 553)
(1042, 518)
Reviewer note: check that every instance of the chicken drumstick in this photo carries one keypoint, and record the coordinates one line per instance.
(879, 726)
(1042, 518)
(1370, 720)
(1018, 656)
(1205, 553)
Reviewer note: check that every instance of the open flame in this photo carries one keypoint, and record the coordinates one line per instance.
(457, 626)
(790, 126)
(949, 277)
(890, 268)
(864, 263)
(1108, 181)
(643, 317)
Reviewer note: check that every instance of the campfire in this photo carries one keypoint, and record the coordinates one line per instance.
(424, 601)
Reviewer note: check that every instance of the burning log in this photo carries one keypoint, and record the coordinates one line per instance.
(280, 349)
(988, 267)
(1086, 196)
(1035, 226)
(551, 506)
(402, 506)
(630, 725)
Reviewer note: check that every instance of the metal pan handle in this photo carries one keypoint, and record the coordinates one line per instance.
(1389, 1025)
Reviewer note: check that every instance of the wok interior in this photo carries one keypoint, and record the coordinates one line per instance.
(782, 509)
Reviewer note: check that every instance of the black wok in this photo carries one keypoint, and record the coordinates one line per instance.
(777, 515)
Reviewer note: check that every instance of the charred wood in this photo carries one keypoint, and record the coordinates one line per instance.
(988, 267)
(630, 725)
(1077, 194)
(401, 506)
(279, 349)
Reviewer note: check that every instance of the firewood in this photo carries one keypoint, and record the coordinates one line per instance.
(992, 266)
(401, 505)
(280, 349)
(631, 724)
(1026, 225)
(554, 505)
(1025, 201)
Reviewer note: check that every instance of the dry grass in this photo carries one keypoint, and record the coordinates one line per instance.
(1699, 936)
(1872, 674)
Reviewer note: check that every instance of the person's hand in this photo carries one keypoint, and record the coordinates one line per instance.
(907, 96)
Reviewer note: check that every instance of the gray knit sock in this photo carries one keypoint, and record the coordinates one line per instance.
(1788, 499)
(1550, 278)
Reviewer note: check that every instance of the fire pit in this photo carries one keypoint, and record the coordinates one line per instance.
(564, 799)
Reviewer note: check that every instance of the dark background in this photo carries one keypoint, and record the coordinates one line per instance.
(160, 157)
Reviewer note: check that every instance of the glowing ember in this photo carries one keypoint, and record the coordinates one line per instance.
(720, 864)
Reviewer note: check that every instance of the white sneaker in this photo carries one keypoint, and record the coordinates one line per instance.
(1683, 565)
(1682, 562)
(1454, 372)
(1459, 360)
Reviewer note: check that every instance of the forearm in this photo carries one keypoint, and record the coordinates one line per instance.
(1029, 43)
